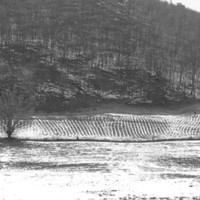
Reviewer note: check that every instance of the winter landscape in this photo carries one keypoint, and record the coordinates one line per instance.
(99, 100)
(93, 170)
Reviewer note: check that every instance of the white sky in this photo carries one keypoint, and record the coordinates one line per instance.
(192, 4)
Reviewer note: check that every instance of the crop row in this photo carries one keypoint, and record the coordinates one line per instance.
(118, 127)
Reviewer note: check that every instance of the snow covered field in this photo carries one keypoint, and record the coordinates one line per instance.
(110, 126)
(100, 171)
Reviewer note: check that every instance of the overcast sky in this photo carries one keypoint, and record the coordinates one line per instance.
(193, 4)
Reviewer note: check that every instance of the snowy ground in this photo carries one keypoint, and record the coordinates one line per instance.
(111, 126)
(81, 170)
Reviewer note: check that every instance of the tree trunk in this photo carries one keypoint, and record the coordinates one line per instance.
(9, 130)
(9, 134)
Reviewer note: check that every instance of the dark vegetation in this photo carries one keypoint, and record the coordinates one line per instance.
(66, 54)
(62, 55)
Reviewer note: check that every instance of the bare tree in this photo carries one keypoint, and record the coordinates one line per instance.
(13, 107)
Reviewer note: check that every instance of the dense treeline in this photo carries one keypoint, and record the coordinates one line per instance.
(133, 50)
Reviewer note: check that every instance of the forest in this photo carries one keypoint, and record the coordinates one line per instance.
(66, 53)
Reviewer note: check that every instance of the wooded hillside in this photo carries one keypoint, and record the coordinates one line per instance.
(137, 51)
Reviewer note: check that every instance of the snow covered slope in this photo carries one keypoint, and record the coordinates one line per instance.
(112, 127)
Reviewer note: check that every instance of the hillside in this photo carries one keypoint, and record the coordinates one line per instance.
(72, 52)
